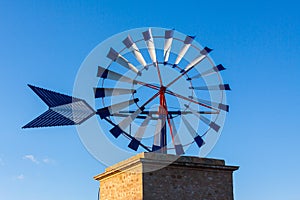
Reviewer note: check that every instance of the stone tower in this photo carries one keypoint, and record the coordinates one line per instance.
(153, 176)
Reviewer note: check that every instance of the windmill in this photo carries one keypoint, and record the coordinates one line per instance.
(156, 87)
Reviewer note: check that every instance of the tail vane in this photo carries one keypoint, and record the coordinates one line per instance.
(63, 110)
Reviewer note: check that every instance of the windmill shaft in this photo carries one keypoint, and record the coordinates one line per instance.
(162, 113)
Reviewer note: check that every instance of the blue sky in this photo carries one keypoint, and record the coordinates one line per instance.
(44, 43)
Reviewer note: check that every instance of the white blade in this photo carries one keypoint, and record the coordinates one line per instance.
(104, 92)
(187, 43)
(128, 120)
(116, 57)
(150, 44)
(193, 133)
(213, 104)
(119, 106)
(213, 87)
(191, 130)
(195, 62)
(212, 125)
(208, 72)
(141, 130)
(135, 50)
(105, 73)
(168, 43)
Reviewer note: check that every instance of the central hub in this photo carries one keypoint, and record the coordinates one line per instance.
(162, 89)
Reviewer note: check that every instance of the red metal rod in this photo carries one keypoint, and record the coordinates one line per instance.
(159, 75)
(169, 121)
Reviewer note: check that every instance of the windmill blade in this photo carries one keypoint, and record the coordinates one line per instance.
(136, 141)
(108, 74)
(126, 115)
(187, 43)
(214, 70)
(62, 110)
(190, 100)
(212, 125)
(199, 141)
(116, 57)
(195, 62)
(213, 104)
(177, 144)
(168, 43)
(198, 59)
(213, 87)
(118, 129)
(104, 92)
(109, 110)
(190, 66)
(150, 44)
(128, 42)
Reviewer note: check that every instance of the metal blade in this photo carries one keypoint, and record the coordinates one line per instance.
(191, 65)
(198, 59)
(150, 44)
(126, 134)
(126, 115)
(213, 104)
(199, 141)
(109, 110)
(108, 74)
(116, 57)
(213, 87)
(168, 43)
(214, 70)
(212, 125)
(104, 92)
(188, 99)
(128, 42)
(118, 129)
(195, 62)
(134, 144)
(187, 43)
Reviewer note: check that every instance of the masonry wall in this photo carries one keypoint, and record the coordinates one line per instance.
(175, 182)
(123, 185)
(152, 176)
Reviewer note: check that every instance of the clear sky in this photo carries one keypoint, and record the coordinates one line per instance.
(44, 43)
